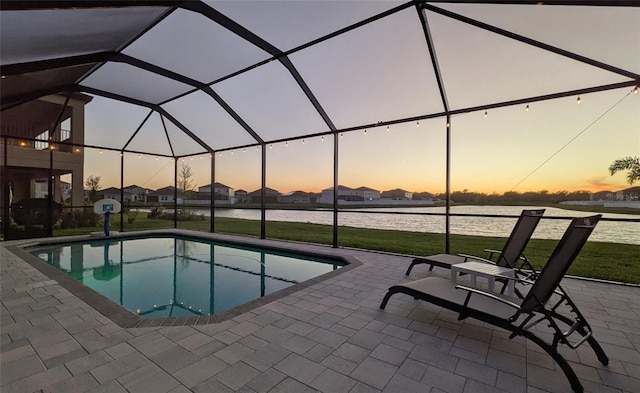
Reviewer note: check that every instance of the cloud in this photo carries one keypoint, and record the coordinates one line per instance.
(601, 183)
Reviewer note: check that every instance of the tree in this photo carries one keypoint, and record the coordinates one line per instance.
(631, 164)
(185, 183)
(93, 184)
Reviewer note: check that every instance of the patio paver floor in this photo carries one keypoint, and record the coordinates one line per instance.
(328, 337)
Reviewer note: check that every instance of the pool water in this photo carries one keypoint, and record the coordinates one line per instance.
(178, 276)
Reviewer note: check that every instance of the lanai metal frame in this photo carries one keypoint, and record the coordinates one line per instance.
(94, 61)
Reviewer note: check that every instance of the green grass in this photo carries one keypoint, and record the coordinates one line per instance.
(600, 260)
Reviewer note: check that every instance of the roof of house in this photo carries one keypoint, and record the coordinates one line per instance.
(340, 187)
(268, 191)
(112, 190)
(297, 193)
(216, 185)
(169, 190)
(363, 188)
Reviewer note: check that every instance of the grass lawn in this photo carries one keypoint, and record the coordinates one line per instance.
(606, 261)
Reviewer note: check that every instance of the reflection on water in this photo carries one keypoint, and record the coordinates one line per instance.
(606, 231)
(168, 277)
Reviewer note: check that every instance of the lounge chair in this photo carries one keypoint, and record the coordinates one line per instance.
(511, 254)
(545, 302)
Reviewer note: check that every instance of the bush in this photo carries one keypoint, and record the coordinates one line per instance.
(156, 212)
(132, 215)
(184, 215)
(81, 219)
(35, 211)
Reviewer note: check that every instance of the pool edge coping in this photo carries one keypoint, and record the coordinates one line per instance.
(127, 319)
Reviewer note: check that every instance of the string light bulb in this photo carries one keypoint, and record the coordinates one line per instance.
(286, 144)
(270, 146)
(578, 101)
(527, 108)
(303, 141)
(448, 124)
(341, 136)
(365, 132)
(486, 114)
(418, 124)
(387, 128)
(635, 90)
(139, 156)
(322, 139)
(100, 152)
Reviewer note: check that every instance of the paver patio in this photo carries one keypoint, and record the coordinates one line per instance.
(327, 337)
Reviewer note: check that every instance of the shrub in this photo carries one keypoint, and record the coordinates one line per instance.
(156, 212)
(132, 215)
(80, 219)
(35, 211)
(183, 215)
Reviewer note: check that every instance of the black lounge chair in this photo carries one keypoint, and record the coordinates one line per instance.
(545, 302)
(511, 254)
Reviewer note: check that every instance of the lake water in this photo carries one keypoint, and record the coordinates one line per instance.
(606, 231)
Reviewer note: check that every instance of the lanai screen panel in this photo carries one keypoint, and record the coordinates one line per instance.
(202, 115)
(271, 102)
(110, 123)
(46, 34)
(182, 143)
(606, 34)
(486, 67)
(129, 81)
(554, 145)
(378, 72)
(195, 46)
(275, 21)
(151, 137)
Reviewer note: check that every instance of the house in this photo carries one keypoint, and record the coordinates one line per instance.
(271, 195)
(397, 194)
(221, 192)
(162, 195)
(242, 196)
(367, 194)
(347, 194)
(344, 194)
(30, 149)
(298, 197)
(137, 193)
(41, 189)
(114, 193)
(424, 196)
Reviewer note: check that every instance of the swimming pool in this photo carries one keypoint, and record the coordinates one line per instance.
(177, 276)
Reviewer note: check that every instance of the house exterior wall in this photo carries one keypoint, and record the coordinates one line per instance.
(66, 159)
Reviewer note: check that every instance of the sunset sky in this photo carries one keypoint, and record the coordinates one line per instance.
(382, 72)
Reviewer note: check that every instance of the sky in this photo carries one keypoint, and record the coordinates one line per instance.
(379, 72)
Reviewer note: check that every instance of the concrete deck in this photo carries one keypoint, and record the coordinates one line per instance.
(327, 337)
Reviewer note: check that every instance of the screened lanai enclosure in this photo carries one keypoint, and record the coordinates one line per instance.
(192, 113)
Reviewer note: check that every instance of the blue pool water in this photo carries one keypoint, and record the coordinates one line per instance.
(178, 276)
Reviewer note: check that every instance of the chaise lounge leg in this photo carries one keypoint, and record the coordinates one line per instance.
(385, 300)
(559, 359)
(392, 291)
(413, 263)
(602, 357)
